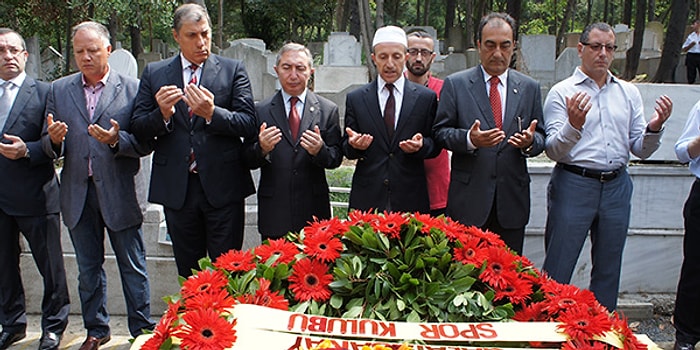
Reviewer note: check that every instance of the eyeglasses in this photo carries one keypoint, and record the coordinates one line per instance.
(598, 47)
(14, 51)
(422, 52)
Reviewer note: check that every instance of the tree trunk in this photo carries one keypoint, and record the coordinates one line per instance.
(651, 11)
(606, 11)
(470, 25)
(570, 7)
(363, 11)
(380, 13)
(418, 11)
(514, 8)
(627, 12)
(113, 28)
(341, 22)
(69, 46)
(426, 13)
(450, 8)
(632, 61)
(220, 30)
(589, 11)
(136, 40)
(670, 54)
(355, 22)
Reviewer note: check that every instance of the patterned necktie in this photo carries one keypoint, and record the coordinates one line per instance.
(193, 80)
(294, 119)
(5, 103)
(192, 162)
(390, 111)
(495, 99)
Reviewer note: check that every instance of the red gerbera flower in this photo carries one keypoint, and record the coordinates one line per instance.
(532, 313)
(204, 329)
(453, 230)
(323, 245)
(310, 280)
(334, 226)
(500, 267)
(217, 301)
(284, 250)
(427, 222)
(471, 252)
(265, 297)
(490, 238)
(162, 330)
(390, 224)
(581, 323)
(359, 217)
(629, 341)
(516, 290)
(205, 281)
(236, 260)
(560, 297)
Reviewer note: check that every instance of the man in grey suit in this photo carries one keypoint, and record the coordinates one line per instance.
(28, 201)
(299, 138)
(490, 117)
(88, 124)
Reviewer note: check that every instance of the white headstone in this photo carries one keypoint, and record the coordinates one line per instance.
(342, 49)
(123, 61)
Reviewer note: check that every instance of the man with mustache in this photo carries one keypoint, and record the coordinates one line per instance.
(437, 170)
(387, 129)
(593, 121)
(195, 108)
(490, 117)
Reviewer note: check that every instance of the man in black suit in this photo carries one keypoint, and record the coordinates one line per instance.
(28, 201)
(299, 138)
(195, 108)
(490, 184)
(388, 130)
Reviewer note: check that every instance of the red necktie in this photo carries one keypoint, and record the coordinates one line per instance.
(294, 119)
(193, 162)
(193, 80)
(390, 111)
(495, 99)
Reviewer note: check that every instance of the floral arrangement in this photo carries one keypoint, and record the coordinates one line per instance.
(386, 266)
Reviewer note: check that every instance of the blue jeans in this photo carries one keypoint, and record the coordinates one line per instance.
(576, 205)
(88, 240)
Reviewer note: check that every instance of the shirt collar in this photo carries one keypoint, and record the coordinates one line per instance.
(18, 80)
(186, 64)
(103, 80)
(286, 96)
(503, 76)
(398, 84)
(580, 77)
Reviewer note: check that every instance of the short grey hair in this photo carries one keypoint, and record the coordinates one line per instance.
(602, 26)
(98, 28)
(295, 47)
(189, 12)
(4, 31)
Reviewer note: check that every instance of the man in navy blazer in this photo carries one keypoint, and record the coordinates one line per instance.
(196, 108)
(88, 124)
(388, 130)
(28, 201)
(293, 188)
(490, 184)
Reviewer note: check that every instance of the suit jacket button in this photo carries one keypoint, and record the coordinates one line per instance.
(386, 182)
(391, 155)
(192, 132)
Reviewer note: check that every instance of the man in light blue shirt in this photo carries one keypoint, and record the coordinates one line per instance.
(687, 297)
(593, 120)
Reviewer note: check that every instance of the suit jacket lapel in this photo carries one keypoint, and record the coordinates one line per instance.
(375, 113)
(77, 94)
(512, 102)
(23, 96)
(110, 92)
(279, 115)
(210, 72)
(478, 90)
(408, 102)
(174, 72)
(311, 115)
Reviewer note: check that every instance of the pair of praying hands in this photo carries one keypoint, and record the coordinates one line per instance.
(198, 98)
(363, 141)
(269, 137)
(492, 137)
(57, 131)
(578, 105)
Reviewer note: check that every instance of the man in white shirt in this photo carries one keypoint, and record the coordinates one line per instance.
(692, 47)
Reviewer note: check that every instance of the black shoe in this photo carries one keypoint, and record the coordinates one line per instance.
(7, 338)
(683, 346)
(50, 341)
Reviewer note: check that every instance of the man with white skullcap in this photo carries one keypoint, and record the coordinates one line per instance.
(388, 126)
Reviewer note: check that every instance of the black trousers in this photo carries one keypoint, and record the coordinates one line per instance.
(198, 229)
(692, 65)
(44, 237)
(685, 315)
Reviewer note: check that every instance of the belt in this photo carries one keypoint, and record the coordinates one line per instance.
(602, 176)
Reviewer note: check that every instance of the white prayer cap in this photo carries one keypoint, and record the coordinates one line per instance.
(389, 34)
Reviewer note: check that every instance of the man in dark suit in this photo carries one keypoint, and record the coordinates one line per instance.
(28, 201)
(490, 117)
(299, 138)
(88, 124)
(388, 130)
(195, 108)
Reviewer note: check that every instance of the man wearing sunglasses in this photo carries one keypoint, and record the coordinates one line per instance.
(593, 120)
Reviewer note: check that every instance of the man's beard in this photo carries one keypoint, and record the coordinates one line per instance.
(418, 70)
